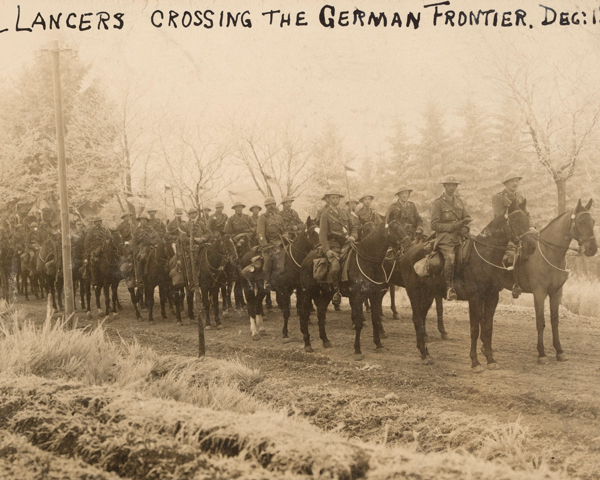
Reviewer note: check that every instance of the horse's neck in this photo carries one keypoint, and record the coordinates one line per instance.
(494, 234)
(557, 232)
(301, 244)
(374, 245)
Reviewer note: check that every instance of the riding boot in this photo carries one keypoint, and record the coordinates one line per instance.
(449, 278)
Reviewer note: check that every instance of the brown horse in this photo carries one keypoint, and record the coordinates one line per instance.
(544, 272)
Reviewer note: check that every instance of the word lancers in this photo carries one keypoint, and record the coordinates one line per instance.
(73, 21)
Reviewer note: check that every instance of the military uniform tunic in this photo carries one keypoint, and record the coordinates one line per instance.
(144, 236)
(239, 223)
(270, 227)
(217, 223)
(176, 227)
(446, 211)
(94, 239)
(125, 229)
(291, 219)
(336, 226)
(406, 213)
(502, 200)
(158, 225)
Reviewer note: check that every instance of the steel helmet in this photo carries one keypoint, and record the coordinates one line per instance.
(152, 209)
(126, 214)
(95, 219)
(143, 215)
(366, 196)
(404, 188)
(352, 200)
(450, 179)
(178, 211)
(219, 205)
(287, 199)
(206, 209)
(255, 206)
(511, 176)
(192, 210)
(33, 224)
(333, 192)
(238, 204)
(269, 201)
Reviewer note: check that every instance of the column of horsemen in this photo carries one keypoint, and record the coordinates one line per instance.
(339, 226)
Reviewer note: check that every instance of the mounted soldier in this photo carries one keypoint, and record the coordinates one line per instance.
(269, 230)
(291, 219)
(240, 226)
(255, 215)
(156, 223)
(94, 240)
(322, 209)
(125, 228)
(337, 230)
(205, 216)
(366, 214)
(176, 226)
(405, 212)
(217, 222)
(449, 219)
(500, 202)
(144, 240)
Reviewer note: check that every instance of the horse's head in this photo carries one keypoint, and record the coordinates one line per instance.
(582, 228)
(114, 242)
(227, 247)
(517, 227)
(312, 232)
(397, 235)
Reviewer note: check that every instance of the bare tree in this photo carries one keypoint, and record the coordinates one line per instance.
(558, 111)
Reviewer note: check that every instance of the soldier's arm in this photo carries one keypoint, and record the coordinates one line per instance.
(228, 227)
(498, 205)
(260, 232)
(388, 213)
(436, 224)
(323, 231)
(299, 222)
(418, 219)
(354, 223)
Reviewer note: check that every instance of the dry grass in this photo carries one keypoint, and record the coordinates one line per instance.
(145, 438)
(87, 355)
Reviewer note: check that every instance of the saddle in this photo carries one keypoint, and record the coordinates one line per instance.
(321, 267)
(433, 262)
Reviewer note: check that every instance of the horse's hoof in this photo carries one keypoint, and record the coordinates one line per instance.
(180, 324)
(207, 327)
(379, 349)
(287, 340)
(446, 336)
(219, 326)
(164, 317)
(543, 360)
(426, 339)
(89, 315)
(115, 314)
(308, 349)
(395, 316)
(383, 335)
(427, 361)
(561, 357)
(478, 369)
(327, 344)
(358, 357)
(493, 366)
(255, 337)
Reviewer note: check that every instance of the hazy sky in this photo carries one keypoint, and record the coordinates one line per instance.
(359, 78)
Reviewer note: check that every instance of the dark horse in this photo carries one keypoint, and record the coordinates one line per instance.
(46, 267)
(211, 268)
(109, 270)
(479, 280)
(157, 275)
(366, 279)
(544, 273)
(285, 276)
(29, 274)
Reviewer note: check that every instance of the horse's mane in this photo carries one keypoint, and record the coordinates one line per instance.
(568, 212)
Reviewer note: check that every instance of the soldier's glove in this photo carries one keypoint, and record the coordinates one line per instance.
(331, 255)
(465, 221)
(351, 239)
(295, 228)
(456, 226)
(419, 231)
(464, 230)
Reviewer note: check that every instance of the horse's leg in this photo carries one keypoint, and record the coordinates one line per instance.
(116, 299)
(106, 288)
(170, 294)
(383, 292)
(251, 300)
(97, 292)
(88, 296)
(367, 305)
(475, 316)
(149, 292)
(178, 295)
(286, 299)
(268, 301)
(555, 299)
(305, 304)
(420, 303)
(439, 308)
(539, 298)
(378, 332)
(393, 301)
(238, 295)
(259, 310)
(134, 301)
(487, 328)
(115, 288)
(321, 318)
(215, 296)
(356, 303)
(24, 284)
(206, 305)
(164, 297)
(60, 285)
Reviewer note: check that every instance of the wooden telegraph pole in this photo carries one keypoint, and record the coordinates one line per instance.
(62, 185)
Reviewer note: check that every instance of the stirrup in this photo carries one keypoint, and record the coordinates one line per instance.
(516, 291)
(451, 294)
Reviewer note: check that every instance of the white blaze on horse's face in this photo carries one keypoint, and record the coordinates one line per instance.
(317, 229)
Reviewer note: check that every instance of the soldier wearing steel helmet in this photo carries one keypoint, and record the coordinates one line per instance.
(291, 219)
(405, 212)
(269, 230)
(336, 229)
(125, 228)
(218, 221)
(93, 244)
(176, 226)
(320, 211)
(205, 214)
(366, 214)
(449, 219)
(255, 209)
(144, 238)
(239, 225)
(156, 223)
(500, 202)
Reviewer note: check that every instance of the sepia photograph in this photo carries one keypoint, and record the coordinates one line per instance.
(299, 239)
